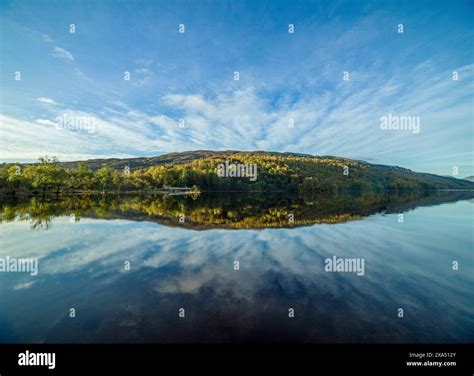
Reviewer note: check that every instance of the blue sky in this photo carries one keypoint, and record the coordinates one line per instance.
(283, 76)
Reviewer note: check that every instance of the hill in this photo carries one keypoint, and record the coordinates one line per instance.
(274, 171)
(170, 158)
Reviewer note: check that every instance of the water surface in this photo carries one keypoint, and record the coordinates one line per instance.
(83, 243)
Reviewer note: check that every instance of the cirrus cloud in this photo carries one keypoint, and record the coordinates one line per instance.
(61, 53)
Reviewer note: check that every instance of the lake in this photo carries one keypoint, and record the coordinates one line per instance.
(233, 268)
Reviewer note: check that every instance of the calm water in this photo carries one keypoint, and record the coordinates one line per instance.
(83, 243)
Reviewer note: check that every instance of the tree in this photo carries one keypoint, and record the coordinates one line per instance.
(15, 178)
(46, 175)
(103, 177)
(82, 177)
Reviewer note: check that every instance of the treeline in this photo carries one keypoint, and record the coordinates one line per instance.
(292, 174)
(48, 176)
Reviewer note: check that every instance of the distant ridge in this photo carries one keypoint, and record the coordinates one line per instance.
(172, 158)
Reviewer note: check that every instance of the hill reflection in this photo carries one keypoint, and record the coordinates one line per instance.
(229, 211)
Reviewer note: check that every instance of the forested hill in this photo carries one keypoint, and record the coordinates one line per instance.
(275, 171)
(172, 158)
(306, 167)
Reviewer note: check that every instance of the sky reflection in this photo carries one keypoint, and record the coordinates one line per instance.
(81, 265)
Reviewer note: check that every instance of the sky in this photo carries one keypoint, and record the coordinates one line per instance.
(322, 89)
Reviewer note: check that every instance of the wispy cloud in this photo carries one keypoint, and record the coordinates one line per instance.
(61, 53)
(45, 100)
(46, 38)
(144, 62)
